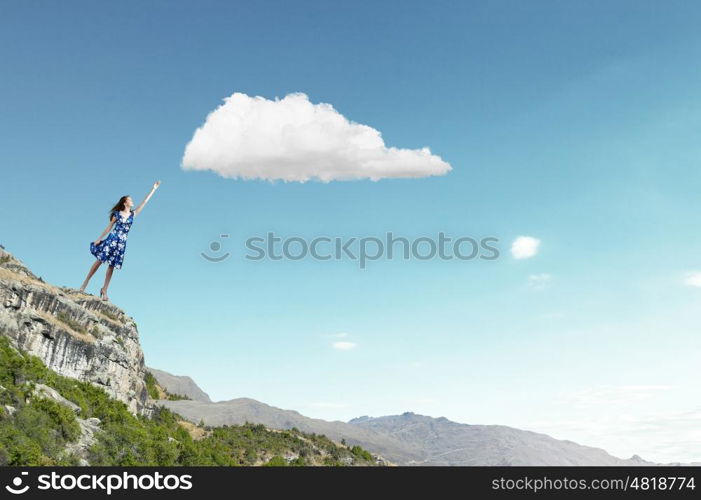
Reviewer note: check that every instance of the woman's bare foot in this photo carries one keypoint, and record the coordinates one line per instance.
(103, 295)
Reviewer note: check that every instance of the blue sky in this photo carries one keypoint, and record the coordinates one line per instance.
(572, 122)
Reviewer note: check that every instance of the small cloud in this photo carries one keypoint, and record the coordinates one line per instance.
(343, 345)
(292, 139)
(539, 281)
(693, 279)
(525, 247)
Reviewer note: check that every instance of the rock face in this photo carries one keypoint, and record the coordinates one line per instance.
(180, 384)
(75, 334)
(44, 391)
(88, 428)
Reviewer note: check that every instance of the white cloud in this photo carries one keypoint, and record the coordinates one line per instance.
(693, 279)
(292, 139)
(525, 247)
(344, 346)
(539, 281)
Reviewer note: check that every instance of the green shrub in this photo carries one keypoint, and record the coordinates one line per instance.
(178, 397)
(361, 453)
(16, 448)
(276, 461)
(151, 386)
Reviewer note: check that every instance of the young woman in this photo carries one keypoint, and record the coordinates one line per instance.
(110, 251)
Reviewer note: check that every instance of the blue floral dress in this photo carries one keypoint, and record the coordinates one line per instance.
(111, 249)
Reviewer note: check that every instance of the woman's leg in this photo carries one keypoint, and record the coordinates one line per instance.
(93, 268)
(108, 277)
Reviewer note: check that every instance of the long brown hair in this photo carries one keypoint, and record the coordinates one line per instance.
(120, 205)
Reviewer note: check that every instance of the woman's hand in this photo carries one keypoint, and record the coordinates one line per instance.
(97, 242)
(148, 197)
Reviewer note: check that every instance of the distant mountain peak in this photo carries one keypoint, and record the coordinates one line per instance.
(359, 419)
(180, 385)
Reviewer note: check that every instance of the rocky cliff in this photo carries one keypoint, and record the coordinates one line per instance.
(75, 334)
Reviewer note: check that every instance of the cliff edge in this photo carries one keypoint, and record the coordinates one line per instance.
(75, 334)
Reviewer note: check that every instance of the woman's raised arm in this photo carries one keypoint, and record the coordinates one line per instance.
(148, 197)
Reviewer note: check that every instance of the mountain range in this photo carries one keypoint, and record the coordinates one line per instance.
(406, 439)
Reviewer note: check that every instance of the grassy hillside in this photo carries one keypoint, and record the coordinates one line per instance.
(36, 430)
